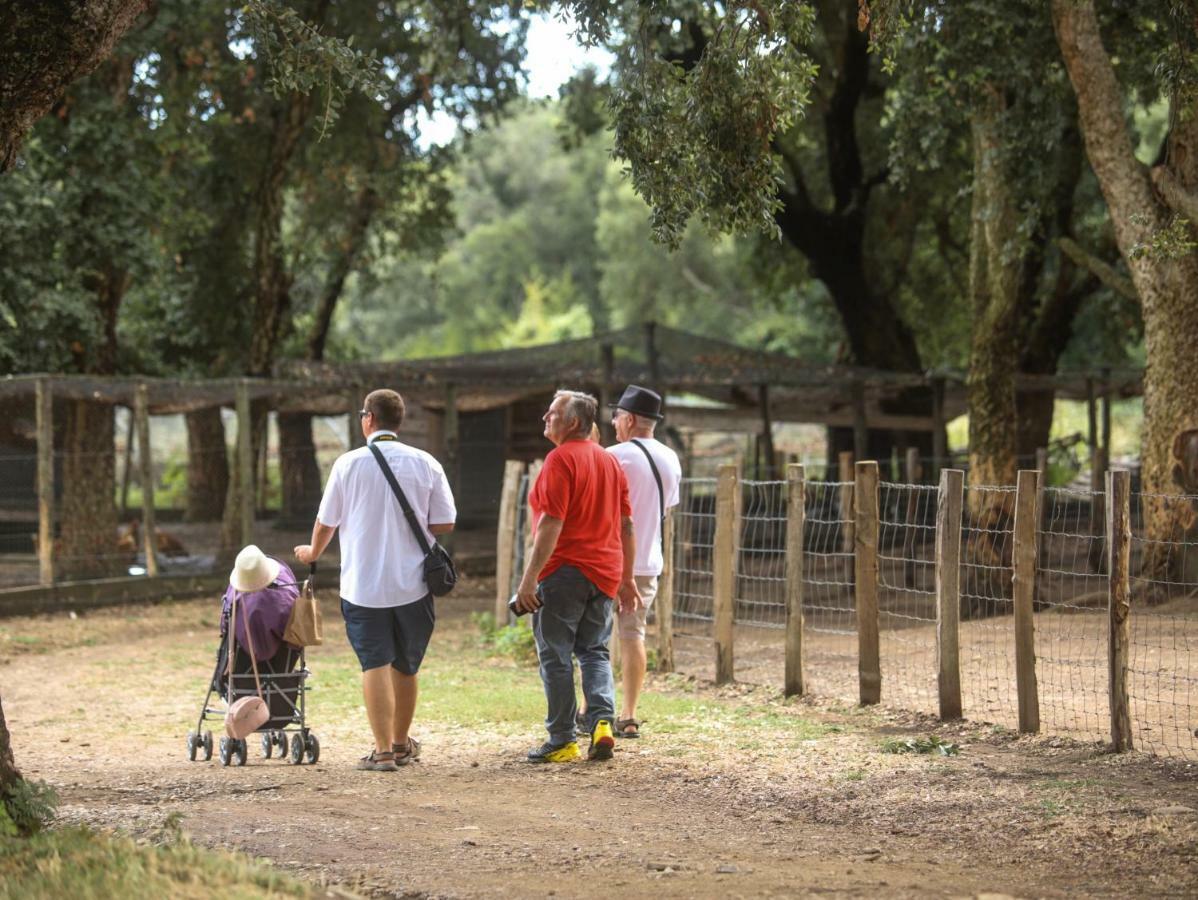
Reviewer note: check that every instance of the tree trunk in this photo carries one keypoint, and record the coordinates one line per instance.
(9, 773)
(46, 46)
(300, 473)
(207, 465)
(1167, 288)
(88, 511)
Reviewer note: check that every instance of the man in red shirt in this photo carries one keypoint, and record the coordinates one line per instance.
(582, 556)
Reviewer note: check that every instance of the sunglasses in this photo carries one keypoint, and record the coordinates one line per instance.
(363, 413)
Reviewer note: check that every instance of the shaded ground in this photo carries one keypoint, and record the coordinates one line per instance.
(731, 793)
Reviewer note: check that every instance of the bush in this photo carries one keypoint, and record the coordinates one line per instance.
(514, 641)
(28, 807)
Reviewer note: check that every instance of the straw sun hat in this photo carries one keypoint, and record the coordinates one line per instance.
(253, 570)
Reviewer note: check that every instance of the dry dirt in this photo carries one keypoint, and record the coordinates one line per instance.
(1024, 817)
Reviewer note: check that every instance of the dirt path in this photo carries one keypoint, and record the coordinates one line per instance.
(704, 812)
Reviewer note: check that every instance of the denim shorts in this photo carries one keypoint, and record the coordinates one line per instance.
(395, 636)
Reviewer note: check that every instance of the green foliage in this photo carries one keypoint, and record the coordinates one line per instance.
(78, 862)
(929, 744)
(1173, 241)
(516, 642)
(27, 807)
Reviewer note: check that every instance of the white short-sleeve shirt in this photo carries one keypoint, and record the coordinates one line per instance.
(381, 562)
(642, 493)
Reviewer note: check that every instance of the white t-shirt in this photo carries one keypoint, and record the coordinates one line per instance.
(642, 493)
(381, 563)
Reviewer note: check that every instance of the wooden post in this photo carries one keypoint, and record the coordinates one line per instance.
(245, 462)
(533, 471)
(860, 429)
(505, 537)
(844, 474)
(608, 361)
(865, 564)
(795, 518)
(354, 438)
(145, 466)
(1106, 418)
(665, 602)
(1118, 522)
(939, 450)
(948, 590)
(1092, 437)
(651, 357)
(450, 435)
(723, 563)
(126, 471)
(44, 398)
(1026, 517)
(913, 472)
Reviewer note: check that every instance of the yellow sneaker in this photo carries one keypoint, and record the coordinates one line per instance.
(602, 741)
(555, 753)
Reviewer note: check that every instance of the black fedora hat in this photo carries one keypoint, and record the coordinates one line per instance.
(640, 401)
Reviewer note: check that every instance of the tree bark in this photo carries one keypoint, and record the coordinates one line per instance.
(9, 773)
(207, 465)
(46, 46)
(1167, 288)
(88, 510)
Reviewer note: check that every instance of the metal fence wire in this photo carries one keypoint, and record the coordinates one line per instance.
(829, 609)
(760, 591)
(694, 536)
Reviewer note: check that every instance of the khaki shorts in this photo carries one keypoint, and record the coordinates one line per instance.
(632, 625)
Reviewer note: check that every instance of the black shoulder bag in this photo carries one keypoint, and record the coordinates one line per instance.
(661, 496)
(439, 572)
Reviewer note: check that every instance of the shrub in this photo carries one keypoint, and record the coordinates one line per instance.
(28, 807)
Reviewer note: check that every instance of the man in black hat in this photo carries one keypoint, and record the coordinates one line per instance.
(653, 474)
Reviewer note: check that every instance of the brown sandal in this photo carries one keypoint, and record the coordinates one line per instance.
(406, 753)
(622, 726)
(377, 762)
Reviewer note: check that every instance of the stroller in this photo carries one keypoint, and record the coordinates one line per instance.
(283, 680)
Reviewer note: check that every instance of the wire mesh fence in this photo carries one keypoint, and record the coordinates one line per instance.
(829, 610)
(694, 536)
(760, 593)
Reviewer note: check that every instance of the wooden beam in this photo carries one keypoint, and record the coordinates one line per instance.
(44, 402)
(948, 591)
(145, 465)
(723, 561)
(505, 538)
(1118, 523)
(245, 464)
(860, 428)
(795, 519)
(665, 601)
(1026, 533)
(865, 580)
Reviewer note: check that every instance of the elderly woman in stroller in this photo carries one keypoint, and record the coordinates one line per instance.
(261, 594)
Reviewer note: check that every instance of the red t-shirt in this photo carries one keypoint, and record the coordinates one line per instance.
(584, 486)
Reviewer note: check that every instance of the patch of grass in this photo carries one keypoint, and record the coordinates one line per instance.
(854, 775)
(77, 862)
(930, 744)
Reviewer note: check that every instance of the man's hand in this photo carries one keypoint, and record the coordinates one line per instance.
(628, 598)
(527, 600)
(305, 554)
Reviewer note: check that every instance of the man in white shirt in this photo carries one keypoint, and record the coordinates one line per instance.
(386, 604)
(653, 474)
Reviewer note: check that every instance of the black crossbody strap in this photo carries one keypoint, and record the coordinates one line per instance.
(408, 512)
(661, 494)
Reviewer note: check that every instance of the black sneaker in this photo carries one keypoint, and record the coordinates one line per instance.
(555, 753)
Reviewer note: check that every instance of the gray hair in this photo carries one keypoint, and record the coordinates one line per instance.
(582, 408)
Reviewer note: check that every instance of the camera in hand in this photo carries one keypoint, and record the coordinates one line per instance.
(511, 605)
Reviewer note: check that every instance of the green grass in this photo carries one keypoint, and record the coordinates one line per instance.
(76, 862)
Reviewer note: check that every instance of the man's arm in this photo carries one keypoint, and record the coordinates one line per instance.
(441, 529)
(628, 598)
(321, 535)
(549, 530)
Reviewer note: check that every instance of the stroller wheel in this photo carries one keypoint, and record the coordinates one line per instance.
(193, 744)
(297, 749)
(283, 745)
(207, 742)
(226, 750)
(312, 746)
(241, 751)
(268, 740)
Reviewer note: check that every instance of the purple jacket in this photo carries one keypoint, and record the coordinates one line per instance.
(267, 610)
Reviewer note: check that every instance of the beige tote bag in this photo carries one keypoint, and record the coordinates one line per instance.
(305, 627)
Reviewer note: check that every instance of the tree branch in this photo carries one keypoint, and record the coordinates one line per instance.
(1105, 272)
(1175, 194)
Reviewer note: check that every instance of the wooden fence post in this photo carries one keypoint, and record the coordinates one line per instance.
(1118, 533)
(505, 538)
(353, 433)
(665, 601)
(913, 473)
(245, 462)
(723, 567)
(795, 519)
(865, 564)
(1027, 516)
(45, 482)
(844, 474)
(949, 504)
(145, 466)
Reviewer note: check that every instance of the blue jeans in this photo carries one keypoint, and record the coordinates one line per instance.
(574, 620)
